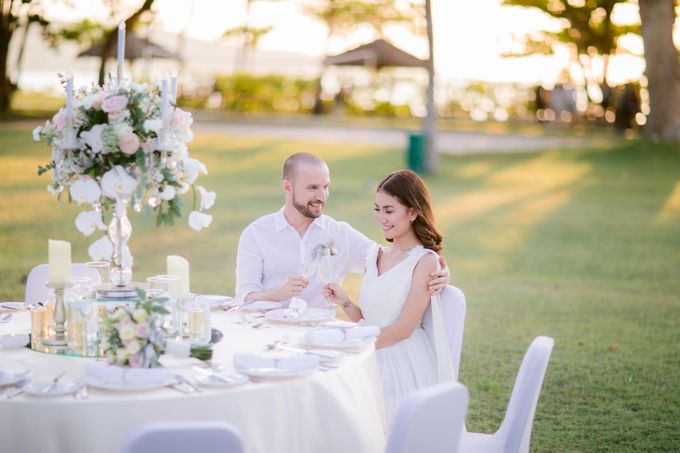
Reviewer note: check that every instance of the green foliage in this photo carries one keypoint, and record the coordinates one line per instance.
(83, 32)
(270, 93)
(586, 25)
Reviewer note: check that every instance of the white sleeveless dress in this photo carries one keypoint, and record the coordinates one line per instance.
(410, 364)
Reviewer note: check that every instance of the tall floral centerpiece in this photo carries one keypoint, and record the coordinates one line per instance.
(120, 146)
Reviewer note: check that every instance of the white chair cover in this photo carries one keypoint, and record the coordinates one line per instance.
(429, 420)
(36, 283)
(444, 321)
(175, 437)
(514, 435)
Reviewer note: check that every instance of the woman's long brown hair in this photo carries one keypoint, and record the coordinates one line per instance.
(410, 190)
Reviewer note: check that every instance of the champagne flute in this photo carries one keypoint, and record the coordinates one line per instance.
(325, 270)
(309, 262)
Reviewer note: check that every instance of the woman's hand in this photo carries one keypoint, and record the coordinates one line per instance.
(335, 294)
(439, 279)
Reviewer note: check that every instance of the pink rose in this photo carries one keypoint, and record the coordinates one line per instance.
(59, 119)
(143, 330)
(136, 361)
(178, 116)
(129, 143)
(114, 104)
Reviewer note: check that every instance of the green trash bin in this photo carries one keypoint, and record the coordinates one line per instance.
(416, 152)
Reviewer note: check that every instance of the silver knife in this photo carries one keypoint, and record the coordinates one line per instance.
(210, 373)
(53, 383)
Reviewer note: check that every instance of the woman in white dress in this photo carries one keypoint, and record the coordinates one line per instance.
(394, 293)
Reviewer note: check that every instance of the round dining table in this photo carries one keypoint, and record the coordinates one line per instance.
(338, 408)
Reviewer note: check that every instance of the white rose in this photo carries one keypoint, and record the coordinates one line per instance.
(85, 190)
(199, 220)
(154, 125)
(89, 221)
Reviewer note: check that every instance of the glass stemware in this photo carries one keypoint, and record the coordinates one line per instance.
(325, 269)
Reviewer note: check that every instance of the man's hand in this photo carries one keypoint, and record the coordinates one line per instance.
(439, 279)
(291, 288)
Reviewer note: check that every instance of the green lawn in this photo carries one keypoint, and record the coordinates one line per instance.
(582, 246)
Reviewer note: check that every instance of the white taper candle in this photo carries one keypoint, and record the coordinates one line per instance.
(121, 50)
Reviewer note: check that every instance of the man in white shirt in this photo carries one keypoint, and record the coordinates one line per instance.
(272, 249)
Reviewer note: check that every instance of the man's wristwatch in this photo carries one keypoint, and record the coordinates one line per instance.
(346, 304)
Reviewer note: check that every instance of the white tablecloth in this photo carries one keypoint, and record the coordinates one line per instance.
(336, 411)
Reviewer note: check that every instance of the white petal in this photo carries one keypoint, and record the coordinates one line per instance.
(85, 190)
(101, 249)
(168, 193)
(199, 220)
(207, 198)
(88, 221)
(117, 183)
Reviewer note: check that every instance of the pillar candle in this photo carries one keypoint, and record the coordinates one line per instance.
(121, 50)
(177, 265)
(59, 262)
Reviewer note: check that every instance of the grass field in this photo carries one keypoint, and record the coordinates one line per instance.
(582, 246)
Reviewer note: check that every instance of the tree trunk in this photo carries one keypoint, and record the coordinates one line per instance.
(7, 27)
(430, 121)
(662, 69)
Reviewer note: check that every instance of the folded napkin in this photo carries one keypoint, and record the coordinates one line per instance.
(117, 375)
(296, 308)
(339, 336)
(243, 361)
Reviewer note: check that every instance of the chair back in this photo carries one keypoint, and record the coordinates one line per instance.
(429, 420)
(36, 282)
(453, 310)
(183, 437)
(515, 430)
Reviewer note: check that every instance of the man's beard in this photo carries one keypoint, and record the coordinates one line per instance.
(305, 210)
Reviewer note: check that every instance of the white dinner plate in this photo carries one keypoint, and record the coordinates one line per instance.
(128, 386)
(349, 345)
(13, 341)
(339, 324)
(229, 380)
(63, 387)
(214, 301)
(12, 306)
(309, 316)
(10, 375)
(276, 373)
(260, 305)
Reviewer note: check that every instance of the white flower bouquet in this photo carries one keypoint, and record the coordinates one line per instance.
(123, 143)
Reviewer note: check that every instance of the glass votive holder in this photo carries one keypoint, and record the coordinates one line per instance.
(83, 327)
(198, 321)
(42, 323)
(164, 289)
(101, 269)
(78, 289)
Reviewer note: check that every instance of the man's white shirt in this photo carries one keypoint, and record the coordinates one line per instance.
(271, 250)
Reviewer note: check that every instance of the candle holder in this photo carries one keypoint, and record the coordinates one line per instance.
(59, 339)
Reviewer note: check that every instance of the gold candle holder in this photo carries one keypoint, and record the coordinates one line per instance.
(59, 339)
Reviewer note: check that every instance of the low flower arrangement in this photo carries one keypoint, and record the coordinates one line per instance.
(132, 337)
(123, 142)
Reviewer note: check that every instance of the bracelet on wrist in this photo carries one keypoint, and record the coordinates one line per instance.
(346, 304)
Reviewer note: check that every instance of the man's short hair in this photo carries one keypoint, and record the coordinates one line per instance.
(293, 162)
